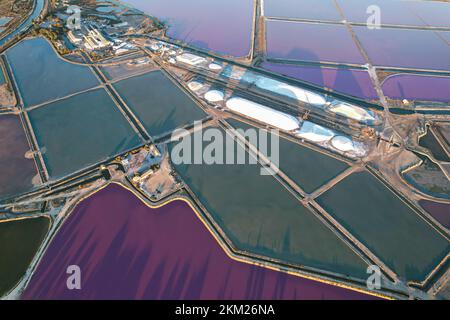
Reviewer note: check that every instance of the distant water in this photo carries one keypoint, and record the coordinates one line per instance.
(259, 216)
(2, 77)
(352, 82)
(16, 171)
(302, 9)
(42, 76)
(128, 251)
(80, 131)
(419, 49)
(159, 104)
(4, 21)
(36, 12)
(439, 211)
(19, 242)
(367, 209)
(223, 26)
(417, 87)
(311, 42)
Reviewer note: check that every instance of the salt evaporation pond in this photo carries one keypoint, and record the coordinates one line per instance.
(37, 9)
(302, 9)
(126, 250)
(445, 35)
(262, 217)
(434, 13)
(417, 87)
(42, 76)
(307, 167)
(356, 11)
(19, 242)
(158, 102)
(311, 42)
(16, 171)
(356, 83)
(80, 131)
(222, 26)
(367, 209)
(392, 47)
(439, 211)
(413, 13)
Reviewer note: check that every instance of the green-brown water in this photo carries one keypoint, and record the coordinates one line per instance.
(19, 241)
(42, 76)
(429, 141)
(260, 216)
(386, 225)
(80, 131)
(158, 103)
(309, 168)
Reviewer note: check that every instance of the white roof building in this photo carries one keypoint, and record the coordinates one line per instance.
(215, 66)
(190, 59)
(95, 40)
(74, 38)
(262, 113)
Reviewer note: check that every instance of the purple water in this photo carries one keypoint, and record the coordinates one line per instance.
(391, 11)
(439, 211)
(419, 49)
(416, 87)
(223, 26)
(128, 251)
(16, 171)
(434, 13)
(303, 9)
(311, 42)
(352, 82)
(445, 35)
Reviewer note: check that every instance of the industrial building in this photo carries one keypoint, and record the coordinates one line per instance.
(94, 40)
(90, 37)
(75, 37)
(190, 59)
